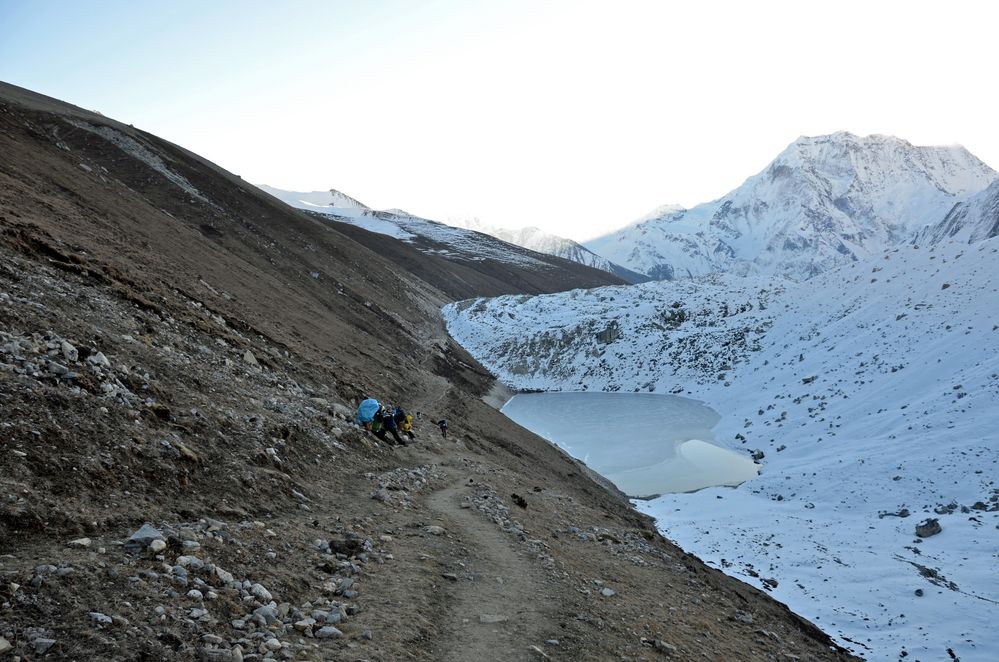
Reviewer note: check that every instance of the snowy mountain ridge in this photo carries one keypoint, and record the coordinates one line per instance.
(823, 201)
(471, 239)
(873, 392)
(315, 200)
(975, 219)
(431, 237)
(538, 240)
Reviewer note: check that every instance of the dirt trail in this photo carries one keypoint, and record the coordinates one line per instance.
(502, 601)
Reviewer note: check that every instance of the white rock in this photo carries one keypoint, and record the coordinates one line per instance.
(79, 542)
(224, 576)
(98, 359)
(261, 593)
(157, 545)
(190, 561)
(69, 351)
(305, 623)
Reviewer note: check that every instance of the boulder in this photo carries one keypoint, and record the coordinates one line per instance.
(929, 527)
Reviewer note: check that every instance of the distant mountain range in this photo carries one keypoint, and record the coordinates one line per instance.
(823, 201)
(525, 269)
(464, 237)
(538, 240)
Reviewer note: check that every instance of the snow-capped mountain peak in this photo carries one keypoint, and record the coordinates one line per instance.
(660, 212)
(823, 201)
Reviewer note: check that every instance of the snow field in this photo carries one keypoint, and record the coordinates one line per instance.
(872, 389)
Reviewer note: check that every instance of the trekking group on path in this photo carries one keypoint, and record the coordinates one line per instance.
(382, 420)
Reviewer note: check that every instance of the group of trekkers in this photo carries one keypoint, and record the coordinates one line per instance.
(383, 420)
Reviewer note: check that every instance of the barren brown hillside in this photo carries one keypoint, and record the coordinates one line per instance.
(180, 350)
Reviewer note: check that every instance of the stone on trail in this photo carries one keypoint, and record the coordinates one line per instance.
(434, 530)
(43, 645)
(261, 593)
(248, 357)
(57, 368)
(224, 576)
(492, 618)
(220, 655)
(79, 542)
(99, 360)
(143, 538)
(328, 632)
(608, 592)
(70, 352)
(100, 619)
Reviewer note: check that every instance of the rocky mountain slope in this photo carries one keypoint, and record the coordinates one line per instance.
(181, 350)
(822, 202)
(870, 393)
(976, 219)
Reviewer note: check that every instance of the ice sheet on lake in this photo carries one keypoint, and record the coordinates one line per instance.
(645, 443)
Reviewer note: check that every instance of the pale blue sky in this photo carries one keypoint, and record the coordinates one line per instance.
(576, 116)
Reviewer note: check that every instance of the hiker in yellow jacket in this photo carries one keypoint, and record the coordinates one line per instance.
(406, 425)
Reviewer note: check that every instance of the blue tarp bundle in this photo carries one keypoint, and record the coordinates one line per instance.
(366, 410)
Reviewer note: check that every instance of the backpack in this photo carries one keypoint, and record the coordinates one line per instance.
(367, 410)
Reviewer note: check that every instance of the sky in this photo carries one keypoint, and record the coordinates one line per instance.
(577, 117)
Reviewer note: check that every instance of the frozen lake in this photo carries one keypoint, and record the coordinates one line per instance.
(644, 443)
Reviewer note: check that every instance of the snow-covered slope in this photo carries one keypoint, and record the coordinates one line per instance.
(970, 221)
(315, 200)
(540, 241)
(431, 237)
(872, 389)
(822, 202)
